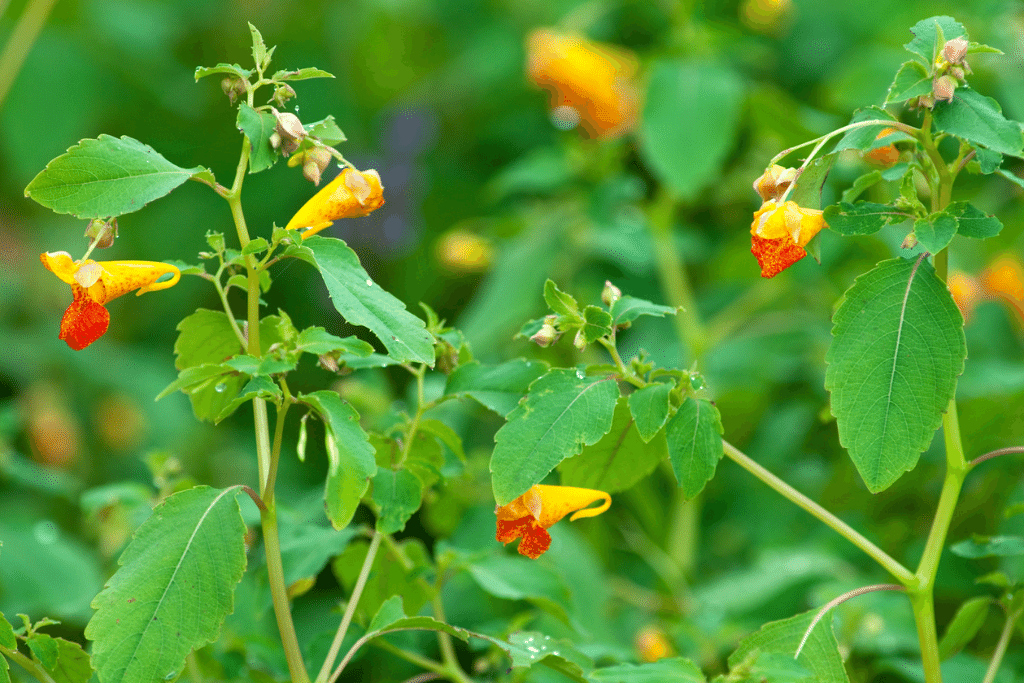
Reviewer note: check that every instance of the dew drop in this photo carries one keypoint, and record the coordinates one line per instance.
(369, 283)
(580, 375)
(220, 388)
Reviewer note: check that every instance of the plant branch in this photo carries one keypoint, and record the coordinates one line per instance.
(223, 294)
(897, 570)
(279, 595)
(819, 141)
(28, 664)
(995, 454)
(350, 610)
(840, 600)
(1012, 617)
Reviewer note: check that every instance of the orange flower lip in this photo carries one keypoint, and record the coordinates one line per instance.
(530, 515)
(94, 283)
(353, 193)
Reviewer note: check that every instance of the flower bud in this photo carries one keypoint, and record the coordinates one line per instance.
(282, 93)
(956, 72)
(233, 87)
(328, 362)
(943, 88)
(289, 126)
(315, 162)
(275, 139)
(955, 50)
(610, 294)
(546, 336)
(774, 182)
(101, 234)
(580, 341)
(909, 242)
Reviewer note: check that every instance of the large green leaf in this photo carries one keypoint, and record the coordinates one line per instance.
(564, 411)
(497, 387)
(619, 460)
(65, 661)
(936, 231)
(397, 495)
(973, 222)
(898, 348)
(675, 669)
(173, 589)
(694, 436)
(689, 122)
(349, 453)
(362, 302)
(862, 218)
(979, 119)
(105, 177)
(927, 32)
(820, 655)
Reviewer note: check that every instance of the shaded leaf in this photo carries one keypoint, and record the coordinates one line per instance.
(973, 222)
(628, 308)
(694, 437)
(989, 546)
(709, 98)
(965, 625)
(820, 654)
(496, 387)
(928, 33)
(563, 411)
(397, 495)
(7, 638)
(307, 548)
(362, 302)
(349, 453)
(649, 407)
(862, 218)
(674, 669)
(979, 119)
(517, 578)
(257, 387)
(318, 341)
(106, 177)
(897, 350)
(258, 126)
(912, 80)
(173, 589)
(596, 323)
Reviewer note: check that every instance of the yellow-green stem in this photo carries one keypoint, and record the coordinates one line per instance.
(275, 452)
(279, 596)
(1012, 617)
(453, 670)
(20, 42)
(897, 570)
(28, 664)
(411, 657)
(923, 605)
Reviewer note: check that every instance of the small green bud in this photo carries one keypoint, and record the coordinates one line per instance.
(282, 93)
(610, 294)
(546, 336)
(233, 87)
(580, 341)
(102, 233)
(909, 242)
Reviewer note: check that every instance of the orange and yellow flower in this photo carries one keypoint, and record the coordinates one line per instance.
(530, 515)
(353, 193)
(1005, 279)
(94, 283)
(779, 234)
(884, 156)
(592, 79)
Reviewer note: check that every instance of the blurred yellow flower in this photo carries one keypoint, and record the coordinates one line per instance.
(463, 251)
(353, 193)
(1005, 279)
(530, 515)
(94, 283)
(965, 290)
(780, 233)
(652, 644)
(766, 16)
(589, 82)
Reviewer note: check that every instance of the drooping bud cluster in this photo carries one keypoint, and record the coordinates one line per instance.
(781, 230)
(314, 162)
(948, 72)
(101, 233)
(234, 87)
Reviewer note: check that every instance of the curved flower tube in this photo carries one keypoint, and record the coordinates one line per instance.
(530, 515)
(353, 193)
(94, 283)
(780, 233)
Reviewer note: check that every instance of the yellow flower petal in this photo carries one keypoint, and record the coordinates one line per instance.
(352, 193)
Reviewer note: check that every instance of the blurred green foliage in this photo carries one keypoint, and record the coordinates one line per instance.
(432, 94)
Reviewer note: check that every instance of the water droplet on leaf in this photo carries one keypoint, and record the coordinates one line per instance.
(220, 388)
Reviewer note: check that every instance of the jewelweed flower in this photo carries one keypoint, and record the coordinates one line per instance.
(884, 156)
(530, 515)
(94, 283)
(774, 182)
(965, 290)
(353, 193)
(1005, 279)
(651, 644)
(780, 233)
(592, 81)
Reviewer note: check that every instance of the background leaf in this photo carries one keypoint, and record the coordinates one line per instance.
(362, 302)
(397, 495)
(173, 589)
(497, 387)
(564, 411)
(105, 177)
(820, 655)
(674, 669)
(709, 98)
(694, 437)
(966, 623)
(897, 350)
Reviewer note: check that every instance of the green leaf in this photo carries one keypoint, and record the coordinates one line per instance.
(106, 177)
(649, 407)
(173, 589)
(349, 453)
(7, 638)
(362, 302)
(989, 546)
(912, 80)
(257, 387)
(255, 246)
(973, 222)
(325, 130)
(708, 97)
(517, 578)
(597, 323)
(979, 119)
(205, 338)
(496, 387)
(445, 435)
(965, 625)
(425, 460)
(931, 34)
(259, 48)
(252, 366)
(318, 341)
(860, 184)
(5, 676)
(897, 350)
(935, 232)
(807, 192)
(527, 648)
(694, 437)
(559, 302)
(190, 378)
(618, 461)
(985, 161)
(65, 661)
(866, 137)
(389, 577)
(44, 649)
(675, 669)
(564, 411)
(862, 218)
(628, 308)
(302, 74)
(390, 612)
(820, 654)
(258, 126)
(307, 548)
(230, 69)
(397, 494)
